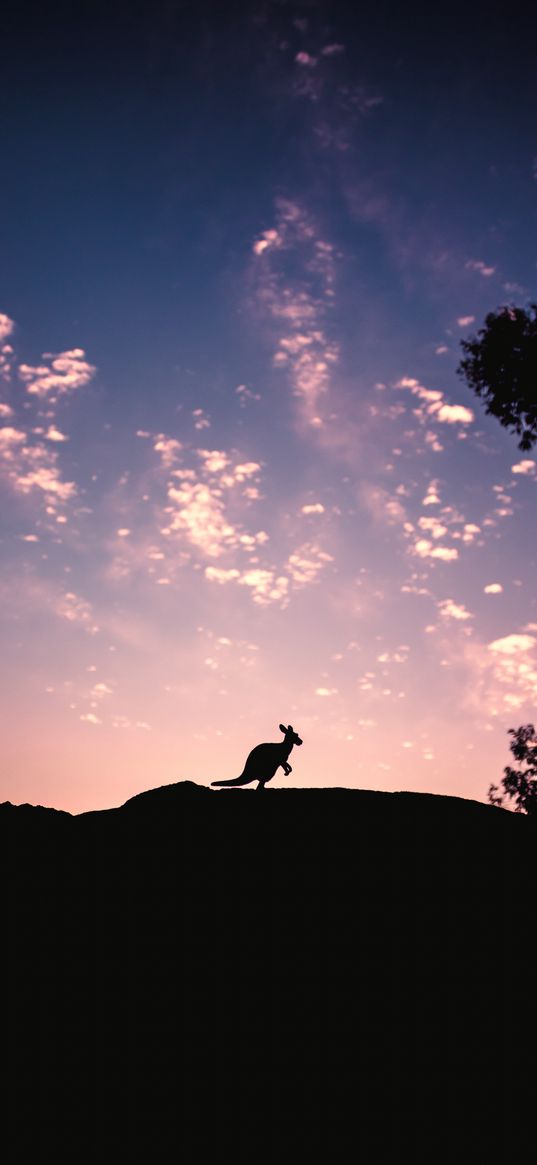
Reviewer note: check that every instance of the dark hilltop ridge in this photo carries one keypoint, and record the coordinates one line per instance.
(203, 975)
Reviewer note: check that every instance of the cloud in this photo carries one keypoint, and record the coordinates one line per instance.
(493, 589)
(305, 564)
(214, 460)
(219, 575)
(332, 50)
(306, 60)
(454, 414)
(268, 238)
(10, 439)
(526, 467)
(244, 393)
(451, 610)
(514, 667)
(265, 586)
(201, 421)
(168, 448)
(76, 610)
(65, 372)
(478, 265)
(313, 508)
(431, 497)
(198, 512)
(434, 404)
(465, 321)
(425, 549)
(7, 326)
(297, 307)
(512, 644)
(30, 467)
(470, 532)
(432, 526)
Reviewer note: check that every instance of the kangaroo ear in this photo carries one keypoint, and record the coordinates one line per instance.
(282, 728)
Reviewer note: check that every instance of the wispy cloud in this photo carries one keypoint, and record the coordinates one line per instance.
(63, 373)
(481, 267)
(298, 305)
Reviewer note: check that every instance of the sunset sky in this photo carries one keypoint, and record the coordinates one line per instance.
(241, 480)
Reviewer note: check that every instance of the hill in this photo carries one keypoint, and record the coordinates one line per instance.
(215, 974)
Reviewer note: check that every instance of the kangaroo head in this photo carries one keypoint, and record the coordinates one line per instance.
(290, 734)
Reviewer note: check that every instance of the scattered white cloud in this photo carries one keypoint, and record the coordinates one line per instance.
(9, 440)
(493, 589)
(244, 393)
(305, 564)
(425, 549)
(64, 373)
(306, 60)
(75, 610)
(265, 586)
(269, 238)
(482, 268)
(214, 460)
(219, 575)
(332, 50)
(512, 644)
(514, 670)
(298, 307)
(465, 321)
(201, 421)
(326, 691)
(433, 527)
(432, 497)
(198, 512)
(454, 414)
(449, 609)
(168, 448)
(433, 404)
(7, 326)
(313, 508)
(470, 532)
(526, 466)
(28, 467)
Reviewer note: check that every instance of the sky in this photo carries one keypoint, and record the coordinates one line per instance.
(241, 481)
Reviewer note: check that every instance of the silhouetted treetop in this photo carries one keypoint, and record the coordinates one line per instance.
(500, 365)
(520, 784)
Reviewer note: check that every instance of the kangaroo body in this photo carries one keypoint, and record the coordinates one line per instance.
(263, 762)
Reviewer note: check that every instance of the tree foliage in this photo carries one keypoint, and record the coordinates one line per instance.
(500, 365)
(520, 784)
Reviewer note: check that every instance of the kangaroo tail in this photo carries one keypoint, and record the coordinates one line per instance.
(242, 780)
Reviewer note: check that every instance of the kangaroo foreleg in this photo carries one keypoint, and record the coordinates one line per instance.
(286, 768)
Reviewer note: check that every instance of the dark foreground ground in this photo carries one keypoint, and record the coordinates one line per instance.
(204, 976)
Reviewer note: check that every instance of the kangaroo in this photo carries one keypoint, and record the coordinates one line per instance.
(264, 760)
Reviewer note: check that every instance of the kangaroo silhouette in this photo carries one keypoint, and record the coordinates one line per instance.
(264, 760)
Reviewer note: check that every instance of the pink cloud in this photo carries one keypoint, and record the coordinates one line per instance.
(65, 373)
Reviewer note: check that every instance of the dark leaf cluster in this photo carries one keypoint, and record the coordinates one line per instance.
(500, 365)
(520, 784)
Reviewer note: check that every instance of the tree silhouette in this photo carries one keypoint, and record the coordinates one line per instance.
(521, 783)
(500, 365)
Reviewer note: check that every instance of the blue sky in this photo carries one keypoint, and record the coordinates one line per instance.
(242, 482)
